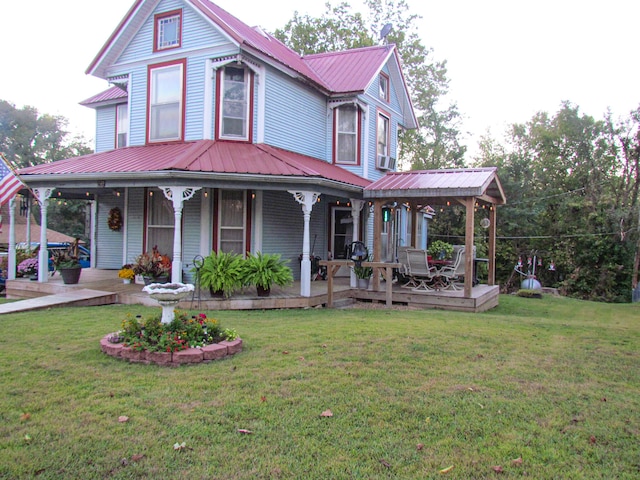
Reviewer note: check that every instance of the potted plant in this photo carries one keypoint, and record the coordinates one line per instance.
(266, 269)
(440, 250)
(221, 273)
(126, 273)
(153, 266)
(363, 274)
(67, 263)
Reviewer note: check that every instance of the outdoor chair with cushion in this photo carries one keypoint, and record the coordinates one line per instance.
(419, 270)
(404, 275)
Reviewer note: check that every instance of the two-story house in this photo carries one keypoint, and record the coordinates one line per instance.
(216, 136)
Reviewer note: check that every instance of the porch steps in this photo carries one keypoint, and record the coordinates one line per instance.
(77, 297)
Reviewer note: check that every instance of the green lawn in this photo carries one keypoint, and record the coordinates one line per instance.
(553, 382)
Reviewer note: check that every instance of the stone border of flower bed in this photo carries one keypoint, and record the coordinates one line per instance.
(208, 353)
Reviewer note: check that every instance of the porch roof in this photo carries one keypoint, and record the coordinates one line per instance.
(435, 185)
(219, 158)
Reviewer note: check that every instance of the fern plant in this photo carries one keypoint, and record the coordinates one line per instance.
(266, 269)
(221, 272)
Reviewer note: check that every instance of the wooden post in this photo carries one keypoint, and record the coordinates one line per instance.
(414, 225)
(468, 258)
(377, 238)
(491, 278)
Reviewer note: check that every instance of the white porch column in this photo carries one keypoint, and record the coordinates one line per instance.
(307, 200)
(93, 215)
(178, 195)
(356, 208)
(43, 195)
(11, 261)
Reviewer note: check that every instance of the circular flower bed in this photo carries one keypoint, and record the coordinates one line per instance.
(183, 341)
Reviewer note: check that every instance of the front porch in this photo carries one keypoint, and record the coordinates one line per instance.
(109, 289)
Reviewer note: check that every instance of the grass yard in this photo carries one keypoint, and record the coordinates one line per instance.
(535, 388)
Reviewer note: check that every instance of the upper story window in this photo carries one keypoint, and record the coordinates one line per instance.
(234, 103)
(122, 125)
(347, 135)
(168, 30)
(166, 102)
(383, 143)
(383, 89)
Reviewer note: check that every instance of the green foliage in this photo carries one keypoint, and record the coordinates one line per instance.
(221, 272)
(437, 247)
(183, 332)
(363, 272)
(266, 269)
(65, 258)
(29, 138)
(528, 293)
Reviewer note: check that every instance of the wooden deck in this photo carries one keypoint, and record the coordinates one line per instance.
(110, 289)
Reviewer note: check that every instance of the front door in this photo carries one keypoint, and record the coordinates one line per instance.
(341, 235)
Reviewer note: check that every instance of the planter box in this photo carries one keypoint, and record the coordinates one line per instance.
(233, 346)
(190, 355)
(214, 351)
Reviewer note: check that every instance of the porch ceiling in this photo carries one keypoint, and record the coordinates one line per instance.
(437, 186)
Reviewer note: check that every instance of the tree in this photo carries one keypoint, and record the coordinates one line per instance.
(436, 143)
(572, 184)
(28, 138)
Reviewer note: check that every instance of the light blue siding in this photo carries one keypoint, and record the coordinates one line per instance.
(135, 223)
(109, 242)
(105, 128)
(283, 214)
(295, 116)
(197, 33)
(138, 106)
(190, 233)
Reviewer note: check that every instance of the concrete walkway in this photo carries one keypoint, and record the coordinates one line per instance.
(83, 296)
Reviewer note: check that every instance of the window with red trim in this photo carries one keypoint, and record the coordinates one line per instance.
(165, 109)
(167, 32)
(122, 125)
(234, 103)
(347, 134)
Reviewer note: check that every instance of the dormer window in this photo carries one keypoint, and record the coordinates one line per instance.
(234, 103)
(347, 135)
(165, 111)
(383, 91)
(168, 30)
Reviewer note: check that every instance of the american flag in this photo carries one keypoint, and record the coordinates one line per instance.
(10, 183)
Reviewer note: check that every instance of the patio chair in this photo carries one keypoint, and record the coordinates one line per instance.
(419, 270)
(403, 272)
(452, 274)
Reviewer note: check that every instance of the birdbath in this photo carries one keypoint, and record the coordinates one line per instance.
(168, 295)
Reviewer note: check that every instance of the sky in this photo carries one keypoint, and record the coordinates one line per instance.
(506, 59)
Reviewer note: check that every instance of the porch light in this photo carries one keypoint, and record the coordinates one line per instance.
(150, 194)
(206, 194)
(318, 200)
(253, 195)
(59, 193)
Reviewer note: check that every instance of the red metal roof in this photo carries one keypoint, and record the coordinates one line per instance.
(351, 70)
(206, 156)
(113, 93)
(464, 182)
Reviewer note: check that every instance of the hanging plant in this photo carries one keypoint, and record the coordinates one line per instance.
(115, 219)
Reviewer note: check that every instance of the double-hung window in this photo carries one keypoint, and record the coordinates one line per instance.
(122, 125)
(160, 222)
(166, 102)
(234, 104)
(383, 135)
(232, 221)
(347, 134)
(168, 30)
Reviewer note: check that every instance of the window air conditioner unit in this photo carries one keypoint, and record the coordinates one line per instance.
(386, 163)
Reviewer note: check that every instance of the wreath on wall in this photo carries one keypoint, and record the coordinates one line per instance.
(115, 219)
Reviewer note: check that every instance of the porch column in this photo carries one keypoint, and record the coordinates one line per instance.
(93, 212)
(11, 261)
(356, 208)
(414, 224)
(468, 257)
(307, 200)
(177, 195)
(491, 277)
(43, 195)
(377, 238)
